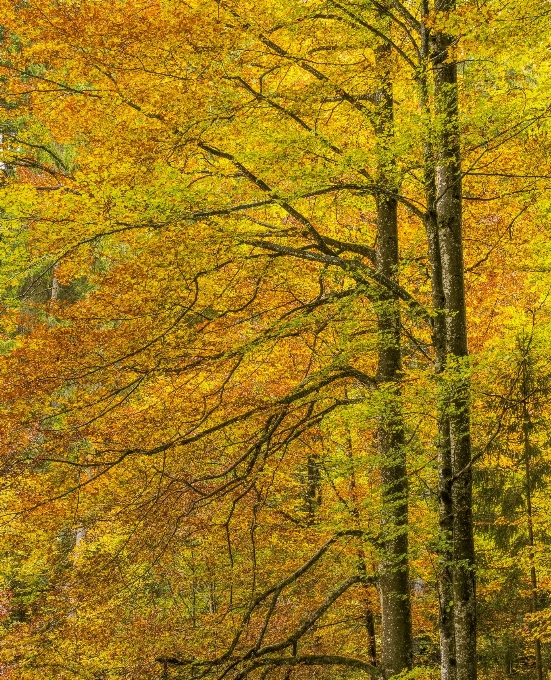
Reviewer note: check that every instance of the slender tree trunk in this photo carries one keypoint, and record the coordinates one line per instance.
(445, 550)
(362, 562)
(526, 424)
(445, 474)
(396, 635)
(396, 642)
(445, 511)
(313, 487)
(449, 221)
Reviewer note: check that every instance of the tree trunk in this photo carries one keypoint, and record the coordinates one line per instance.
(396, 635)
(445, 511)
(362, 561)
(449, 221)
(527, 450)
(313, 487)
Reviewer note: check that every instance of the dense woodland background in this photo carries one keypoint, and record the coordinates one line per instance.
(275, 339)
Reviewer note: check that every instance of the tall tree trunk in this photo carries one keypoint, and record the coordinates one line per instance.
(527, 451)
(449, 221)
(396, 635)
(362, 561)
(445, 511)
(445, 549)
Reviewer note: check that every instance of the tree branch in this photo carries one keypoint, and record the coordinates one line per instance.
(376, 32)
(314, 660)
(354, 266)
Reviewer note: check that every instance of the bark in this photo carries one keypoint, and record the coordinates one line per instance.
(527, 450)
(445, 511)
(449, 222)
(396, 635)
(362, 561)
(445, 551)
(371, 635)
(313, 487)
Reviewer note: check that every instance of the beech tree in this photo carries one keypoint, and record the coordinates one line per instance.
(242, 339)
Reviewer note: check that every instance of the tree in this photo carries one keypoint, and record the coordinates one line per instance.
(264, 209)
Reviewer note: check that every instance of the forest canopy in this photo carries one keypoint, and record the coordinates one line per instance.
(275, 339)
